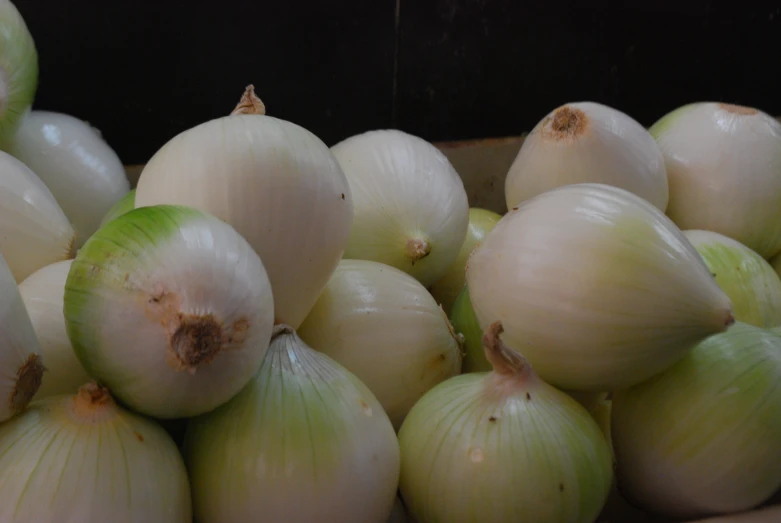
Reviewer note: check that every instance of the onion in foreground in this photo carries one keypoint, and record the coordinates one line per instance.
(42, 293)
(724, 169)
(82, 458)
(597, 287)
(304, 441)
(386, 328)
(702, 438)
(587, 142)
(411, 208)
(170, 308)
(81, 170)
(502, 446)
(275, 182)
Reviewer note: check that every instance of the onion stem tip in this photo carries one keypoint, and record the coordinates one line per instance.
(417, 249)
(504, 360)
(197, 340)
(249, 103)
(28, 380)
(567, 122)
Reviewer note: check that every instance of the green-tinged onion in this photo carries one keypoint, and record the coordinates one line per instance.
(305, 441)
(411, 208)
(276, 183)
(724, 169)
(746, 277)
(82, 458)
(502, 446)
(170, 308)
(18, 69)
(702, 438)
(387, 329)
(587, 142)
(42, 293)
(446, 289)
(21, 363)
(596, 286)
(81, 170)
(125, 204)
(34, 232)
(465, 323)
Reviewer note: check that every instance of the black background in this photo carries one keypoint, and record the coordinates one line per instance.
(144, 70)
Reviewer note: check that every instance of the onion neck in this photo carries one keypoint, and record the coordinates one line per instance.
(28, 381)
(196, 341)
(249, 103)
(93, 402)
(738, 109)
(566, 123)
(505, 361)
(417, 249)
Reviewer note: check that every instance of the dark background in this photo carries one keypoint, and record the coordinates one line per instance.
(144, 70)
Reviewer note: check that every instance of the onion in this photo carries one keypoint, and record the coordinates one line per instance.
(748, 279)
(724, 168)
(587, 142)
(170, 308)
(18, 69)
(21, 364)
(34, 231)
(81, 458)
(446, 289)
(702, 438)
(764, 515)
(465, 323)
(384, 327)
(596, 286)
(411, 208)
(502, 446)
(42, 293)
(305, 441)
(82, 171)
(276, 183)
(125, 204)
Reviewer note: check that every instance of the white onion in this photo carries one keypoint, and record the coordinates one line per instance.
(411, 208)
(305, 441)
(18, 69)
(42, 293)
(81, 170)
(724, 168)
(21, 363)
(702, 438)
(384, 327)
(596, 286)
(170, 308)
(34, 231)
(502, 446)
(748, 279)
(81, 458)
(276, 183)
(587, 142)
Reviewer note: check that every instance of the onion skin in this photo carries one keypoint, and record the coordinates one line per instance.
(724, 168)
(446, 289)
(701, 439)
(748, 279)
(596, 286)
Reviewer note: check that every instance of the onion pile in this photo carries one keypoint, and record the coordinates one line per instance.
(270, 329)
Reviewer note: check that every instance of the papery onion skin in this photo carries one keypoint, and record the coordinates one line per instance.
(42, 293)
(170, 308)
(411, 208)
(701, 439)
(305, 441)
(502, 447)
(748, 279)
(125, 204)
(464, 321)
(276, 183)
(18, 69)
(724, 169)
(34, 231)
(446, 289)
(81, 170)
(596, 286)
(81, 458)
(21, 362)
(386, 328)
(588, 142)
